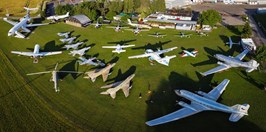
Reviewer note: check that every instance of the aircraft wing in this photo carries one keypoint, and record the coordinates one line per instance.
(182, 113)
(110, 47)
(34, 25)
(126, 46)
(165, 51)
(216, 69)
(242, 55)
(50, 53)
(19, 35)
(10, 22)
(139, 56)
(217, 91)
(105, 75)
(23, 53)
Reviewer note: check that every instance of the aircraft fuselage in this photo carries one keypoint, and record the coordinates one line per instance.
(231, 61)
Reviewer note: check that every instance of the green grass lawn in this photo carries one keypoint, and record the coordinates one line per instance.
(80, 105)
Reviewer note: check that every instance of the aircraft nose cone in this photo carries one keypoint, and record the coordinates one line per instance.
(178, 92)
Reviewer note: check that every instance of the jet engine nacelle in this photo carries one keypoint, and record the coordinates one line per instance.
(183, 104)
(204, 94)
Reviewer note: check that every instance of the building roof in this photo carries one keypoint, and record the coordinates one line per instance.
(248, 41)
(172, 21)
(82, 19)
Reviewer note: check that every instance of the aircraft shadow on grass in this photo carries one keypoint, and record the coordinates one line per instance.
(122, 76)
(234, 29)
(251, 80)
(154, 47)
(122, 42)
(71, 66)
(163, 101)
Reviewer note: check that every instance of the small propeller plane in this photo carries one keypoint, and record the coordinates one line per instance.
(68, 40)
(203, 102)
(73, 46)
(186, 53)
(202, 34)
(80, 52)
(90, 61)
(22, 24)
(36, 53)
(54, 77)
(117, 28)
(58, 17)
(98, 72)
(229, 62)
(157, 35)
(65, 34)
(138, 25)
(114, 87)
(137, 30)
(183, 35)
(118, 48)
(98, 25)
(155, 55)
(230, 42)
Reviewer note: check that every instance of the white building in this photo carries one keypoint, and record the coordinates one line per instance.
(247, 43)
(169, 4)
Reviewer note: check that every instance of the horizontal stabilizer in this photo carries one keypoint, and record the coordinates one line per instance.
(242, 109)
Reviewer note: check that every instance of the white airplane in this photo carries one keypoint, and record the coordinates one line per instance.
(68, 40)
(118, 48)
(73, 46)
(117, 28)
(204, 102)
(186, 53)
(138, 25)
(90, 61)
(157, 35)
(137, 30)
(80, 52)
(202, 34)
(98, 25)
(22, 24)
(183, 35)
(54, 77)
(57, 17)
(36, 53)
(65, 34)
(156, 56)
(114, 87)
(229, 62)
(230, 42)
(98, 72)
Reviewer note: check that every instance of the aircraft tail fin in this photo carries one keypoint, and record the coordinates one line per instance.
(242, 109)
(129, 21)
(111, 92)
(253, 64)
(67, 14)
(167, 59)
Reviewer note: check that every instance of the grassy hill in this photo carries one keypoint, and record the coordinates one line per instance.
(80, 102)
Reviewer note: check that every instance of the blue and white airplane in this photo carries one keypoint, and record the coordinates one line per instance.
(230, 42)
(22, 24)
(118, 48)
(203, 102)
(155, 55)
(186, 53)
(229, 62)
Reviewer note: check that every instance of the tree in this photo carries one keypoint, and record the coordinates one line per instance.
(210, 17)
(246, 32)
(260, 54)
(92, 14)
(128, 6)
(110, 15)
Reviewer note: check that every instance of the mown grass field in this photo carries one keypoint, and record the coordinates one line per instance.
(80, 105)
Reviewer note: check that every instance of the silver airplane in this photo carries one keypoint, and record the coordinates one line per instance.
(137, 30)
(98, 72)
(155, 55)
(68, 40)
(157, 35)
(117, 28)
(118, 48)
(73, 46)
(90, 61)
(36, 53)
(58, 17)
(186, 53)
(138, 25)
(183, 35)
(114, 87)
(98, 25)
(204, 102)
(229, 62)
(54, 77)
(230, 42)
(65, 34)
(80, 52)
(22, 24)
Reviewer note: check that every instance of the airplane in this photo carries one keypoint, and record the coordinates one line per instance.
(98, 25)
(117, 28)
(68, 40)
(80, 52)
(230, 42)
(97, 72)
(138, 25)
(137, 30)
(183, 35)
(65, 34)
(118, 48)
(155, 55)
(54, 77)
(157, 35)
(229, 62)
(187, 53)
(203, 102)
(114, 87)
(36, 53)
(73, 46)
(202, 34)
(22, 25)
(90, 61)
(57, 17)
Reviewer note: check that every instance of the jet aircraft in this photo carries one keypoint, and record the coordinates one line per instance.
(117, 28)
(230, 42)
(118, 48)
(65, 34)
(58, 17)
(98, 72)
(90, 61)
(36, 53)
(157, 35)
(187, 53)
(68, 40)
(80, 52)
(73, 46)
(204, 102)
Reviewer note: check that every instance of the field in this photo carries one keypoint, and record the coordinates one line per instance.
(29, 102)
